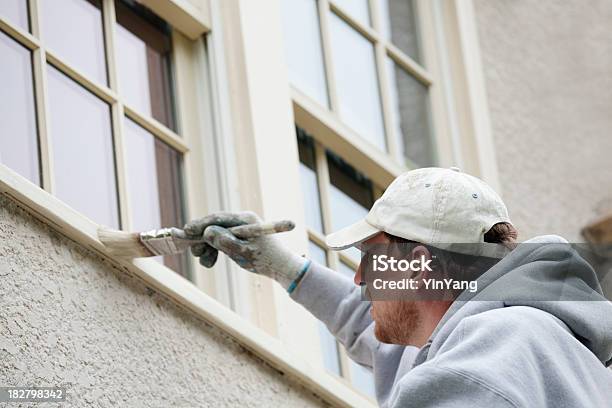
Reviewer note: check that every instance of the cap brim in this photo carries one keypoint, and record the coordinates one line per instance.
(351, 235)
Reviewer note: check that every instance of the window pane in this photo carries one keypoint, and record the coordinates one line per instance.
(154, 186)
(357, 82)
(16, 12)
(329, 345)
(18, 139)
(143, 59)
(82, 145)
(357, 9)
(308, 178)
(303, 49)
(362, 379)
(346, 271)
(350, 197)
(409, 99)
(351, 193)
(399, 24)
(317, 253)
(73, 29)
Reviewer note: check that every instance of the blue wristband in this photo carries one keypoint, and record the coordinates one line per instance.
(295, 282)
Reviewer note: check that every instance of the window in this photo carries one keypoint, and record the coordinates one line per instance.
(365, 58)
(349, 197)
(103, 97)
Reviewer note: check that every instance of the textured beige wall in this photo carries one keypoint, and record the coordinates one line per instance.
(69, 318)
(548, 72)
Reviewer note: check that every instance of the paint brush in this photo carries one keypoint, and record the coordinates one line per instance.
(168, 241)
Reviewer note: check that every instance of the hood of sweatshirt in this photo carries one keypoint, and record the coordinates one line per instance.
(546, 273)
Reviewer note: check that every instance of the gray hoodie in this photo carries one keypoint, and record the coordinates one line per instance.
(521, 351)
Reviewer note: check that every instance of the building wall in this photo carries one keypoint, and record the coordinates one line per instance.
(549, 88)
(69, 318)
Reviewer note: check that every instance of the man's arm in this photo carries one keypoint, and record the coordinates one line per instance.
(328, 295)
(336, 301)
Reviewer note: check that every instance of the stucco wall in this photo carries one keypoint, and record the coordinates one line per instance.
(548, 72)
(69, 318)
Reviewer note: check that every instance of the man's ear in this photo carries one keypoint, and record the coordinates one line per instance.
(416, 253)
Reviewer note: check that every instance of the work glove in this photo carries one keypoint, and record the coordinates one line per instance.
(264, 255)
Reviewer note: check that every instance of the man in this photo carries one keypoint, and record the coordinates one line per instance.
(537, 333)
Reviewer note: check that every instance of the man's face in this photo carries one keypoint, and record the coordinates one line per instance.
(395, 320)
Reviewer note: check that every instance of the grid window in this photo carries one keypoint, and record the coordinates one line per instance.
(105, 144)
(349, 196)
(377, 81)
(73, 29)
(19, 145)
(16, 12)
(303, 48)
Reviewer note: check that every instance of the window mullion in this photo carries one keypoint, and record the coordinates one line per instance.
(117, 115)
(383, 83)
(42, 113)
(40, 96)
(33, 9)
(324, 10)
(108, 13)
(385, 101)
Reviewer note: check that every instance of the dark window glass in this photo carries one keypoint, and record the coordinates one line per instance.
(144, 48)
(350, 197)
(399, 24)
(82, 145)
(18, 140)
(154, 185)
(308, 179)
(410, 111)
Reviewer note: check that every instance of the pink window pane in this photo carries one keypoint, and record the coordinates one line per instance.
(18, 139)
(82, 145)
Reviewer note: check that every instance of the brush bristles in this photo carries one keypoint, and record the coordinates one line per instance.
(123, 244)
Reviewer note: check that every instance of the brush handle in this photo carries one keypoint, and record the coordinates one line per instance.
(247, 231)
(168, 241)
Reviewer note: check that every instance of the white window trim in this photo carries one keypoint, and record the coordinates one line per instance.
(184, 15)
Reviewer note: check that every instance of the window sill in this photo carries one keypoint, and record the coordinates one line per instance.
(324, 126)
(76, 226)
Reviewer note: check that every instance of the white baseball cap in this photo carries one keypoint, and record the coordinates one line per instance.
(430, 205)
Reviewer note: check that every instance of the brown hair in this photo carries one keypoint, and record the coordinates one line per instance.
(502, 233)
